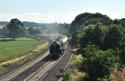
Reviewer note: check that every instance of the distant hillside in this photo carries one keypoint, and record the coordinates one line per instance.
(3, 23)
(34, 24)
(61, 28)
(27, 24)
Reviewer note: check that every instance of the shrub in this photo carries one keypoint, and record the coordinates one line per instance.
(99, 64)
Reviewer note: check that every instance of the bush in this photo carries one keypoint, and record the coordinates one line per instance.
(66, 76)
(99, 64)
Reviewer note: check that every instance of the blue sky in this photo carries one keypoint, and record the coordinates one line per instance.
(58, 10)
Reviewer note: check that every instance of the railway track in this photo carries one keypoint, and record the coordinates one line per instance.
(17, 73)
(35, 70)
(41, 73)
(55, 73)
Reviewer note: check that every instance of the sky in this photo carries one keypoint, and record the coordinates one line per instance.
(60, 11)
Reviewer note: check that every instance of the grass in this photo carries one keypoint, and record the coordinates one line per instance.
(15, 53)
(44, 32)
(73, 74)
(76, 76)
(77, 59)
(13, 49)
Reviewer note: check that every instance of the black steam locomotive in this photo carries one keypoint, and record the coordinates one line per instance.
(57, 48)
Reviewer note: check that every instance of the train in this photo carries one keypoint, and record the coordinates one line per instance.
(57, 48)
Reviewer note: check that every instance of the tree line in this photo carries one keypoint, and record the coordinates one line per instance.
(15, 28)
(101, 42)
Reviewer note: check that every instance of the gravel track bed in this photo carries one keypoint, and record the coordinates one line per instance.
(53, 74)
(32, 69)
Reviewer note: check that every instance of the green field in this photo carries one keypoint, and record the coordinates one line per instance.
(13, 49)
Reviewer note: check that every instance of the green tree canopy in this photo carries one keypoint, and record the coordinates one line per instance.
(87, 19)
(15, 28)
(99, 64)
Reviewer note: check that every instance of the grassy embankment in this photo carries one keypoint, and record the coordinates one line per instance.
(19, 51)
(73, 74)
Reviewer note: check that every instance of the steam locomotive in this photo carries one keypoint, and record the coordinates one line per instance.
(57, 47)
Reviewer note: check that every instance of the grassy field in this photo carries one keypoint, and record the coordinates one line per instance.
(14, 49)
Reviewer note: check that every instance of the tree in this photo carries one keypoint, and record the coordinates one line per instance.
(92, 34)
(99, 64)
(101, 41)
(33, 31)
(15, 28)
(113, 37)
(87, 19)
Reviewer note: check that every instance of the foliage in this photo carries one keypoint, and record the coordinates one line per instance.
(66, 76)
(33, 31)
(99, 64)
(15, 29)
(102, 42)
(87, 19)
(93, 34)
(113, 37)
(77, 61)
(77, 76)
(103, 36)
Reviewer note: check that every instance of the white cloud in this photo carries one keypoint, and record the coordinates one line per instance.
(111, 13)
(51, 17)
(41, 17)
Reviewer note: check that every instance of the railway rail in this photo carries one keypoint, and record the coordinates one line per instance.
(11, 75)
(35, 70)
(41, 73)
(55, 73)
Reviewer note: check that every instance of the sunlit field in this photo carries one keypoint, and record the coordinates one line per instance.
(13, 49)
